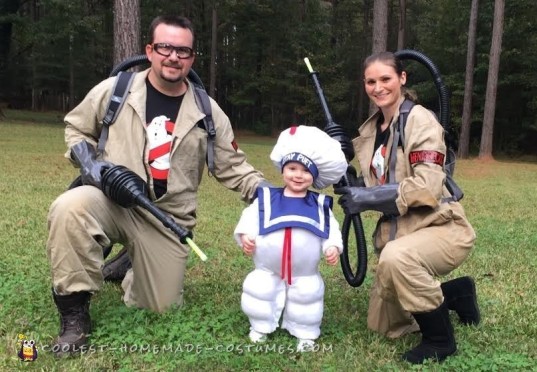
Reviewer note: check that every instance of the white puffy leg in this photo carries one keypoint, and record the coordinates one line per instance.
(263, 297)
(304, 307)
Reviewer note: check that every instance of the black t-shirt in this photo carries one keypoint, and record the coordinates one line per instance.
(382, 136)
(159, 105)
(379, 151)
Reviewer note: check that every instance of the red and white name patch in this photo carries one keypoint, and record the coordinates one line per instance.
(426, 156)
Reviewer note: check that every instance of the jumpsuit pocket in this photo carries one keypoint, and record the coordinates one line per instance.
(416, 219)
(443, 216)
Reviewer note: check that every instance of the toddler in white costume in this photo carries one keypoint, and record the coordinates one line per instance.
(286, 229)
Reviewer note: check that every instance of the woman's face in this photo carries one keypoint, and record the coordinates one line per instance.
(383, 84)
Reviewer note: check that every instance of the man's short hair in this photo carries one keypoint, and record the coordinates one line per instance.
(170, 20)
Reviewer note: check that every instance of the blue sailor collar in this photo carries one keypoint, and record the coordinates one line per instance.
(277, 211)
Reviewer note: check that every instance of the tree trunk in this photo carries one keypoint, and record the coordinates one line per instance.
(71, 104)
(464, 139)
(380, 33)
(363, 102)
(34, 14)
(214, 43)
(380, 25)
(402, 25)
(7, 9)
(126, 29)
(485, 149)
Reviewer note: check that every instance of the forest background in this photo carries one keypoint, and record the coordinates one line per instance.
(250, 56)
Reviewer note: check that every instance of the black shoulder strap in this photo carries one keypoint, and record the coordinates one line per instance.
(399, 137)
(203, 102)
(119, 94)
(404, 110)
(454, 189)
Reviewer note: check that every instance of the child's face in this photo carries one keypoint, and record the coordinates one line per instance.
(297, 177)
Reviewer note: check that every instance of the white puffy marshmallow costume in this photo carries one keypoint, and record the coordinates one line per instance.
(290, 234)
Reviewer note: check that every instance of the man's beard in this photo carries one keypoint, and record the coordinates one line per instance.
(172, 80)
(177, 79)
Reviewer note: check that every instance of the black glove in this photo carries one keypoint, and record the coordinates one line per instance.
(355, 200)
(350, 179)
(91, 169)
(353, 178)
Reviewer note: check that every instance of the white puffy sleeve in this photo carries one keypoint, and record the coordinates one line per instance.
(334, 238)
(248, 223)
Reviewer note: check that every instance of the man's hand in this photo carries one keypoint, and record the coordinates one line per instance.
(332, 256)
(248, 244)
(265, 183)
(382, 198)
(91, 169)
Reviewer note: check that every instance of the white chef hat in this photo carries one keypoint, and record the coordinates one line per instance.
(315, 149)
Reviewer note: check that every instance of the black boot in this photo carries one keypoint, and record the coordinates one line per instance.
(115, 269)
(460, 295)
(74, 321)
(437, 339)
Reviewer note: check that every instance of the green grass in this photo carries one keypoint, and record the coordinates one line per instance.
(210, 331)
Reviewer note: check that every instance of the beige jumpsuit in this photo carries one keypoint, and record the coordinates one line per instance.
(83, 220)
(432, 238)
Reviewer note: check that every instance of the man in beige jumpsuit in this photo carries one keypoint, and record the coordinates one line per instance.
(83, 220)
(423, 234)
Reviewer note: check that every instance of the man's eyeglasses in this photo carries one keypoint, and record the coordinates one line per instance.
(165, 49)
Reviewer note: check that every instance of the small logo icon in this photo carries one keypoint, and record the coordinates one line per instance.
(27, 349)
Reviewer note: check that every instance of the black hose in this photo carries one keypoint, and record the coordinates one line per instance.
(128, 63)
(444, 104)
(443, 92)
(355, 279)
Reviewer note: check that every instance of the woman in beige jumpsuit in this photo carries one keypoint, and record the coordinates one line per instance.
(423, 233)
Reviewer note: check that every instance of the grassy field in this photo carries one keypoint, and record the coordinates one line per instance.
(210, 331)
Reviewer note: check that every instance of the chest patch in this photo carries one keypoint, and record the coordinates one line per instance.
(377, 163)
(159, 134)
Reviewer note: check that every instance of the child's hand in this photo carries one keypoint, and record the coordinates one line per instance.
(248, 244)
(332, 256)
